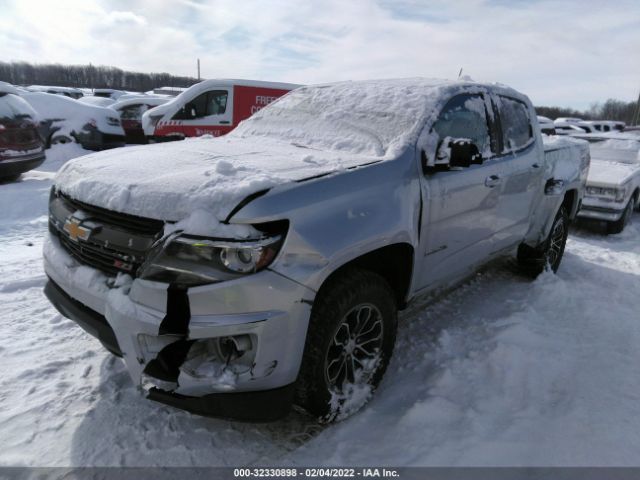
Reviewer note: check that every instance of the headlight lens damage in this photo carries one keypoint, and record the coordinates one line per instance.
(191, 261)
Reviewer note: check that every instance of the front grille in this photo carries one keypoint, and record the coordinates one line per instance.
(102, 258)
(125, 221)
(116, 242)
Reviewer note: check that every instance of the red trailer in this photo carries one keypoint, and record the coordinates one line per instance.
(212, 107)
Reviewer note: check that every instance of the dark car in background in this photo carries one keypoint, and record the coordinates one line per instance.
(21, 147)
(63, 120)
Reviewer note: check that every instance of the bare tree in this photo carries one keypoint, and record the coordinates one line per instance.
(87, 76)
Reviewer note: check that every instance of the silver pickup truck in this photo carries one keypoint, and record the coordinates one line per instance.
(239, 275)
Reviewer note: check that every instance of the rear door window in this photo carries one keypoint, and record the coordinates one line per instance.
(517, 132)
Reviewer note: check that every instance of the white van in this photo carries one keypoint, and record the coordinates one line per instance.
(213, 107)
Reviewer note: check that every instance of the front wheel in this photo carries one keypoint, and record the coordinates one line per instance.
(350, 341)
(549, 254)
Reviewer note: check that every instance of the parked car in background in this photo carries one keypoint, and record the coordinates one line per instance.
(269, 265)
(613, 184)
(66, 91)
(108, 93)
(587, 126)
(212, 107)
(21, 147)
(131, 110)
(568, 128)
(547, 126)
(65, 120)
(568, 120)
(97, 101)
(608, 125)
(168, 91)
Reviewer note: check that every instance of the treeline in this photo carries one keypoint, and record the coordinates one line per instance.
(87, 76)
(610, 110)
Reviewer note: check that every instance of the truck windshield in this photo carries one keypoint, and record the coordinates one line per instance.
(368, 121)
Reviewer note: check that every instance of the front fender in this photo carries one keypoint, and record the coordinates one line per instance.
(339, 217)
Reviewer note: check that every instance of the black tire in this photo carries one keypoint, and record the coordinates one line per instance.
(334, 365)
(10, 178)
(616, 227)
(548, 255)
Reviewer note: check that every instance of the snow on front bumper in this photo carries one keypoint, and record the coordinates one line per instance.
(265, 312)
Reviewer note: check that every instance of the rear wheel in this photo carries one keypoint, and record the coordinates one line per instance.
(349, 344)
(549, 254)
(618, 226)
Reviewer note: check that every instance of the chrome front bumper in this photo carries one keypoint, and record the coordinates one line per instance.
(596, 209)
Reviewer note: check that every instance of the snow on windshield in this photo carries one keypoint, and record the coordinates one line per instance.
(373, 118)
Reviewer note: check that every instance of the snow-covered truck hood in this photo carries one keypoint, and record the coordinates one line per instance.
(611, 174)
(197, 181)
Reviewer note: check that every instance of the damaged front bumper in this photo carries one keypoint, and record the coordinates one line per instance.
(231, 349)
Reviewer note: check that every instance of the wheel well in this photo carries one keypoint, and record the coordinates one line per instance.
(569, 201)
(394, 263)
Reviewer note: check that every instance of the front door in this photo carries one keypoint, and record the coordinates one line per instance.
(459, 205)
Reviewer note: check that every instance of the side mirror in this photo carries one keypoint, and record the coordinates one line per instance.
(458, 152)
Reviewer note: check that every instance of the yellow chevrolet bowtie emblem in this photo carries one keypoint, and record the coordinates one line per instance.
(75, 230)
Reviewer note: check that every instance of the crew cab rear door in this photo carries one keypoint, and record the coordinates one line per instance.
(459, 211)
(522, 170)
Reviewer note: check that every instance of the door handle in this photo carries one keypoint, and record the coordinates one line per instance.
(492, 181)
(535, 166)
(224, 122)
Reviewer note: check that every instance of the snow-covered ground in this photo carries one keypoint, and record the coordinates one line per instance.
(501, 371)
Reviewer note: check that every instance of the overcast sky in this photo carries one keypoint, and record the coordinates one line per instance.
(565, 53)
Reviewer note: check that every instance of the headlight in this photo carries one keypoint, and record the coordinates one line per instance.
(191, 261)
(616, 193)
